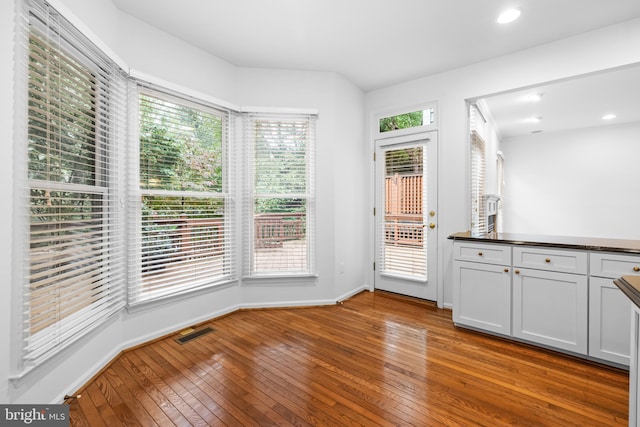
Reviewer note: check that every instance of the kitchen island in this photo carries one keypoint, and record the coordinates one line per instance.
(552, 291)
(630, 286)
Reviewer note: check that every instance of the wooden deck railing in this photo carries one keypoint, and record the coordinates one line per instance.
(403, 210)
(271, 230)
(403, 194)
(407, 230)
(181, 239)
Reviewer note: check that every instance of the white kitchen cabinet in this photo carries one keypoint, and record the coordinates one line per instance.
(551, 308)
(634, 369)
(482, 296)
(553, 291)
(630, 287)
(609, 328)
(482, 286)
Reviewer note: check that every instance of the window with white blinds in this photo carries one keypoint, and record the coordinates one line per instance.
(500, 173)
(70, 118)
(478, 155)
(181, 206)
(279, 195)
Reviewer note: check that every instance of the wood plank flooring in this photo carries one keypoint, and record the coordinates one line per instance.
(377, 360)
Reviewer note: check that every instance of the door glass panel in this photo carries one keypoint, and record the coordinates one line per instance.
(403, 252)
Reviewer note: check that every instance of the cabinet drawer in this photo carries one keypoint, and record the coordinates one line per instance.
(476, 252)
(604, 264)
(550, 259)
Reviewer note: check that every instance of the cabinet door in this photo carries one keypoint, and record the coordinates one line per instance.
(482, 296)
(634, 369)
(551, 309)
(609, 326)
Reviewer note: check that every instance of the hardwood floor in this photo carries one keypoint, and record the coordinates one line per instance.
(376, 360)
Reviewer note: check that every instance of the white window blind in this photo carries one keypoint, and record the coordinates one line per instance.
(181, 206)
(500, 173)
(70, 117)
(279, 195)
(403, 253)
(478, 215)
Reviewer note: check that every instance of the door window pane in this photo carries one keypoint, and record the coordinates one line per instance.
(404, 249)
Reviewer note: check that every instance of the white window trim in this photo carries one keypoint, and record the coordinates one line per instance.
(78, 324)
(135, 193)
(249, 199)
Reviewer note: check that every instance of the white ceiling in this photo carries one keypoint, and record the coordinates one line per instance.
(570, 104)
(373, 43)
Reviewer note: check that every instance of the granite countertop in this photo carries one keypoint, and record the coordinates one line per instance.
(566, 242)
(630, 286)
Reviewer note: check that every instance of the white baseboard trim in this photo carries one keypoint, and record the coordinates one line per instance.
(353, 292)
(79, 382)
(285, 304)
(177, 327)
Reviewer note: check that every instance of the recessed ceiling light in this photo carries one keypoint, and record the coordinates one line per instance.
(608, 117)
(534, 97)
(508, 16)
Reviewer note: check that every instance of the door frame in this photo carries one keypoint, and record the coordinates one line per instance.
(374, 135)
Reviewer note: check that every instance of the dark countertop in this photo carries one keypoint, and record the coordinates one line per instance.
(630, 286)
(564, 242)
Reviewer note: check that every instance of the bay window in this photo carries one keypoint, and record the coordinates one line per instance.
(125, 193)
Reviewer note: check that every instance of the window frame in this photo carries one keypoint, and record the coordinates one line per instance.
(501, 183)
(477, 149)
(250, 197)
(380, 115)
(70, 318)
(140, 88)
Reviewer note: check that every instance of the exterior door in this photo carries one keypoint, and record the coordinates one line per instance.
(406, 215)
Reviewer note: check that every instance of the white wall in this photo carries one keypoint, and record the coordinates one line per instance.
(163, 58)
(588, 179)
(349, 187)
(597, 50)
(156, 54)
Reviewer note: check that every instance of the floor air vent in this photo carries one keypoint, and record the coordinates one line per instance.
(191, 334)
